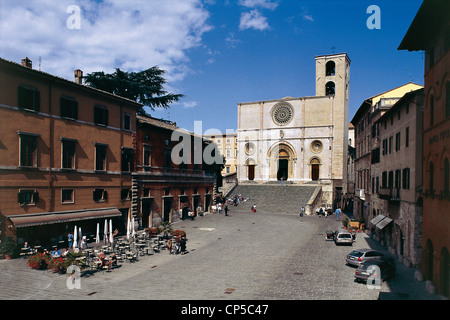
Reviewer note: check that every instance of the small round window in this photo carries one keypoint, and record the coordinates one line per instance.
(249, 148)
(316, 146)
(282, 114)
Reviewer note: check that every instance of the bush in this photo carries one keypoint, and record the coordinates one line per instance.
(39, 261)
(59, 265)
(10, 248)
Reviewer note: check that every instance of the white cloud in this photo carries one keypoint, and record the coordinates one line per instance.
(253, 20)
(308, 17)
(132, 35)
(189, 104)
(266, 4)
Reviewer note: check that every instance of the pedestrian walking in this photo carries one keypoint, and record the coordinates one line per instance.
(183, 245)
(338, 210)
(226, 210)
(302, 211)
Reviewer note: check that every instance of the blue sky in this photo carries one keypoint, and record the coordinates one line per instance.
(217, 53)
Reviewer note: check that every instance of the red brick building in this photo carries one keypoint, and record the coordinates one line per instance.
(430, 31)
(163, 184)
(66, 155)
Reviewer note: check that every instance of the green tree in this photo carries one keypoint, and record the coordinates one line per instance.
(145, 87)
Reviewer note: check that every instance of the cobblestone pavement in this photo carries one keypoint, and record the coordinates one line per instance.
(244, 256)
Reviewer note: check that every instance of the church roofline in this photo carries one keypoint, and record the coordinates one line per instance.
(287, 99)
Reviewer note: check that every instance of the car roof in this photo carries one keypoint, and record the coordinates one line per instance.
(366, 250)
(343, 230)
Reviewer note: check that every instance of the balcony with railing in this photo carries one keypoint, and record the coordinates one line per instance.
(390, 194)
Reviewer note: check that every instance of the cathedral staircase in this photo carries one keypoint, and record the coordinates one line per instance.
(274, 197)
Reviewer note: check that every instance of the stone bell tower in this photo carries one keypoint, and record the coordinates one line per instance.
(332, 81)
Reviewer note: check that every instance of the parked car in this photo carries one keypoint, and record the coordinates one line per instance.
(383, 268)
(359, 256)
(343, 236)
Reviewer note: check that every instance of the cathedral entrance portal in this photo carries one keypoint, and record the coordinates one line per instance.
(281, 158)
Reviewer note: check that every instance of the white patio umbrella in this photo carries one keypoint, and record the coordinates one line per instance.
(105, 232)
(111, 240)
(80, 236)
(75, 244)
(97, 238)
(133, 232)
(128, 228)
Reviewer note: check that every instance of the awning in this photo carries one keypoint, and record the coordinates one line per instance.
(377, 219)
(31, 220)
(383, 223)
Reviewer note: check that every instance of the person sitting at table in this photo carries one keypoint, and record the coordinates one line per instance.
(101, 258)
(112, 261)
(169, 246)
(56, 253)
(83, 244)
(66, 252)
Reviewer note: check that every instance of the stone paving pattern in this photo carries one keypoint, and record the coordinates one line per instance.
(243, 256)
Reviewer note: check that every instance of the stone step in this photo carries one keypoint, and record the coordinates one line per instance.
(275, 198)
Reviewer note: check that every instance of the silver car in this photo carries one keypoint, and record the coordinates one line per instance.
(343, 236)
(359, 256)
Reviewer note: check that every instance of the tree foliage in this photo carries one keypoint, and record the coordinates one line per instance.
(145, 87)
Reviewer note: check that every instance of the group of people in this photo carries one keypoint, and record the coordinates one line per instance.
(107, 262)
(220, 206)
(179, 247)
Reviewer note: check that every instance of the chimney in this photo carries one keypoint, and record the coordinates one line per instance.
(27, 63)
(78, 76)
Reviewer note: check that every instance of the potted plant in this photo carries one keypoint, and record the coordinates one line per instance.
(345, 223)
(9, 248)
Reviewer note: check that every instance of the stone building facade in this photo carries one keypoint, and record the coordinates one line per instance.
(398, 193)
(299, 140)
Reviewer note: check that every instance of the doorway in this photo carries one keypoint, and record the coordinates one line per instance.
(251, 171)
(315, 169)
(167, 208)
(282, 172)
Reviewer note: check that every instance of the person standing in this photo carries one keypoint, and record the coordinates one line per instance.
(302, 211)
(70, 239)
(226, 210)
(338, 210)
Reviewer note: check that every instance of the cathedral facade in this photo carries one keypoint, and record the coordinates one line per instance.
(298, 140)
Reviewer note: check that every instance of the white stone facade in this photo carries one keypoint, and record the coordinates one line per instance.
(299, 139)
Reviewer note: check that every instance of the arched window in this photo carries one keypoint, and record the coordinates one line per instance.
(330, 68)
(329, 88)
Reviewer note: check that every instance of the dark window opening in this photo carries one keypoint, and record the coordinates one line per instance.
(330, 68)
(330, 88)
(28, 98)
(100, 115)
(68, 108)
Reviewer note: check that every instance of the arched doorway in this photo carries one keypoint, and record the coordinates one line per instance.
(283, 165)
(315, 169)
(250, 165)
(281, 158)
